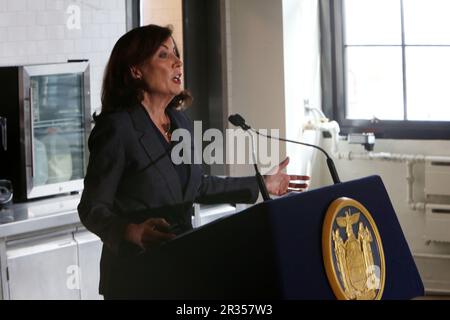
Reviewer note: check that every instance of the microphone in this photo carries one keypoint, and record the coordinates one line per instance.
(238, 121)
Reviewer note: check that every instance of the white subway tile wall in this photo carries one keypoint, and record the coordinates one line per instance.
(45, 31)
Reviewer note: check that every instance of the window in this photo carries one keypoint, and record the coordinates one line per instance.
(133, 18)
(386, 66)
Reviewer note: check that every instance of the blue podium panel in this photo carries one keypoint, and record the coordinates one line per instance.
(298, 243)
(273, 250)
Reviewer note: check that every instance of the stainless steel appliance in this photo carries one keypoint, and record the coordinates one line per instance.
(44, 125)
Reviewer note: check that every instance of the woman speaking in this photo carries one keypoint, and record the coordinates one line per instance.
(133, 193)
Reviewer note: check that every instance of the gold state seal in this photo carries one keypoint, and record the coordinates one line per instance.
(352, 252)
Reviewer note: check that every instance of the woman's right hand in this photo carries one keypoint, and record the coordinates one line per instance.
(149, 234)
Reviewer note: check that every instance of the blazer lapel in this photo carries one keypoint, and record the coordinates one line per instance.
(156, 152)
(194, 169)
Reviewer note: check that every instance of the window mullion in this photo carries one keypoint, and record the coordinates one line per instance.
(405, 86)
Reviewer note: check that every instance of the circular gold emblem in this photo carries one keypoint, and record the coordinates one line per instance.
(352, 252)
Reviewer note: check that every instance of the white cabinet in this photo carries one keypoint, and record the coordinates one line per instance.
(89, 252)
(41, 268)
(61, 266)
(205, 214)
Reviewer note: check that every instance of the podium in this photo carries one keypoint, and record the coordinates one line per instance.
(273, 250)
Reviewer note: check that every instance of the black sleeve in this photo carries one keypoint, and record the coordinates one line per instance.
(227, 190)
(104, 172)
(215, 190)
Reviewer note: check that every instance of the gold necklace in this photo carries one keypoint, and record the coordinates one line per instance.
(166, 128)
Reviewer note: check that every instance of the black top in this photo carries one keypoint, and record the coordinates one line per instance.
(182, 169)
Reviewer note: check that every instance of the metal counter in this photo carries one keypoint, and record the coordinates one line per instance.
(39, 215)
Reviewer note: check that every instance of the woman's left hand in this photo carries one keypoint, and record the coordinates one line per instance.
(279, 183)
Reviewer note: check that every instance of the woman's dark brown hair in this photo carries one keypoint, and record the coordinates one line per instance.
(120, 90)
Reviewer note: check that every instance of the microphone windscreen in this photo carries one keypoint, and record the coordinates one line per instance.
(236, 120)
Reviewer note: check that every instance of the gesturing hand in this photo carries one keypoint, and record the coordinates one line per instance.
(149, 233)
(279, 183)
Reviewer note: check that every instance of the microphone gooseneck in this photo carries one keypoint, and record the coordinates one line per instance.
(330, 162)
(262, 184)
(237, 120)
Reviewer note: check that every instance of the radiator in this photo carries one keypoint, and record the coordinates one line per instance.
(437, 223)
(437, 178)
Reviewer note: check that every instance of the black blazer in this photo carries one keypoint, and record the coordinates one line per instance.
(130, 178)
